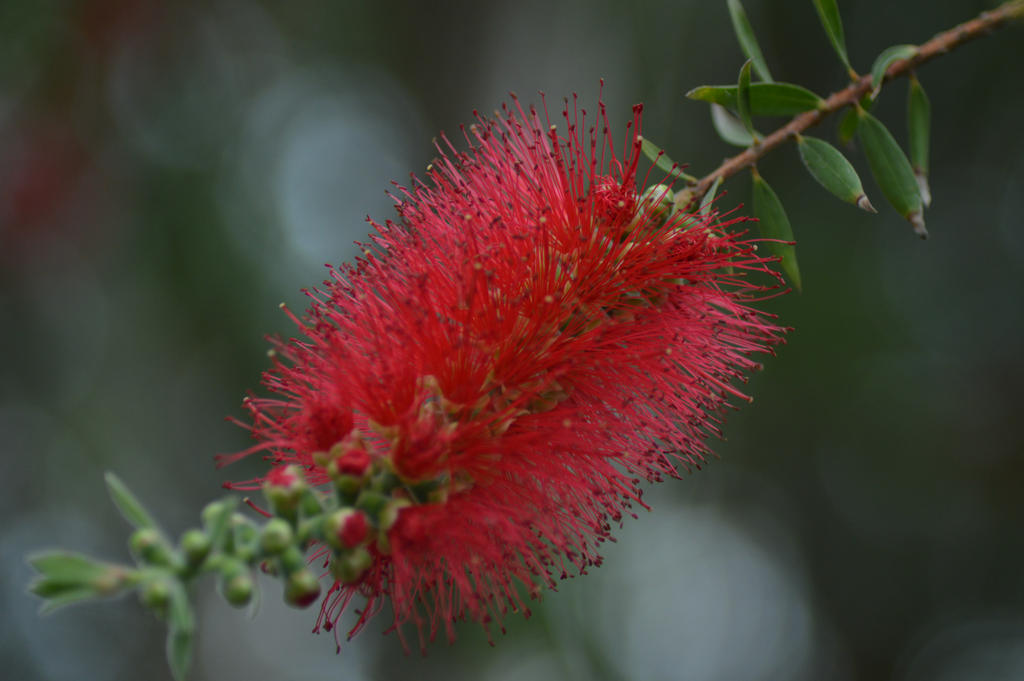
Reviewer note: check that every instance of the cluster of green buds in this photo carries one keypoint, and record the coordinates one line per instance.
(349, 519)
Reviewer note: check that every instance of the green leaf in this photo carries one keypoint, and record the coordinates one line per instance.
(179, 651)
(709, 198)
(848, 126)
(919, 114)
(662, 161)
(180, 633)
(782, 99)
(68, 568)
(766, 99)
(888, 56)
(66, 578)
(828, 11)
(892, 170)
(729, 127)
(743, 97)
(829, 167)
(745, 35)
(775, 226)
(67, 597)
(129, 506)
(724, 95)
(49, 588)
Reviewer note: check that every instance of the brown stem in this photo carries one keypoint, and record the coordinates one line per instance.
(940, 44)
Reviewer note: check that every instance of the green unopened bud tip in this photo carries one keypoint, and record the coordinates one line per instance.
(302, 588)
(238, 590)
(277, 536)
(195, 544)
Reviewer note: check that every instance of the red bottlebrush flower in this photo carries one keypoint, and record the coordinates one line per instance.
(514, 356)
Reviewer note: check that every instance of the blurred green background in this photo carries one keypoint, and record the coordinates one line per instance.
(170, 172)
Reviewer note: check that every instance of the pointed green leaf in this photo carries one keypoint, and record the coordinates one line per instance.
(828, 11)
(745, 35)
(766, 99)
(662, 161)
(709, 198)
(775, 226)
(50, 588)
(743, 97)
(129, 506)
(724, 95)
(180, 633)
(829, 167)
(179, 651)
(67, 597)
(782, 99)
(892, 170)
(66, 577)
(729, 127)
(888, 56)
(67, 567)
(848, 126)
(919, 114)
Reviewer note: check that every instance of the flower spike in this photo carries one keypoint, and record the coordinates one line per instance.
(486, 389)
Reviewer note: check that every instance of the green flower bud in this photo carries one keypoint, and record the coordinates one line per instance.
(658, 201)
(384, 482)
(229, 567)
(238, 590)
(302, 588)
(155, 595)
(211, 512)
(292, 560)
(321, 458)
(144, 540)
(277, 536)
(310, 504)
(284, 487)
(350, 566)
(244, 537)
(372, 503)
(348, 487)
(195, 545)
(149, 545)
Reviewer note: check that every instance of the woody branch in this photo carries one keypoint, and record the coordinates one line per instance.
(941, 44)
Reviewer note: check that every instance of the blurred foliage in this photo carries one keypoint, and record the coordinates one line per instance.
(169, 172)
